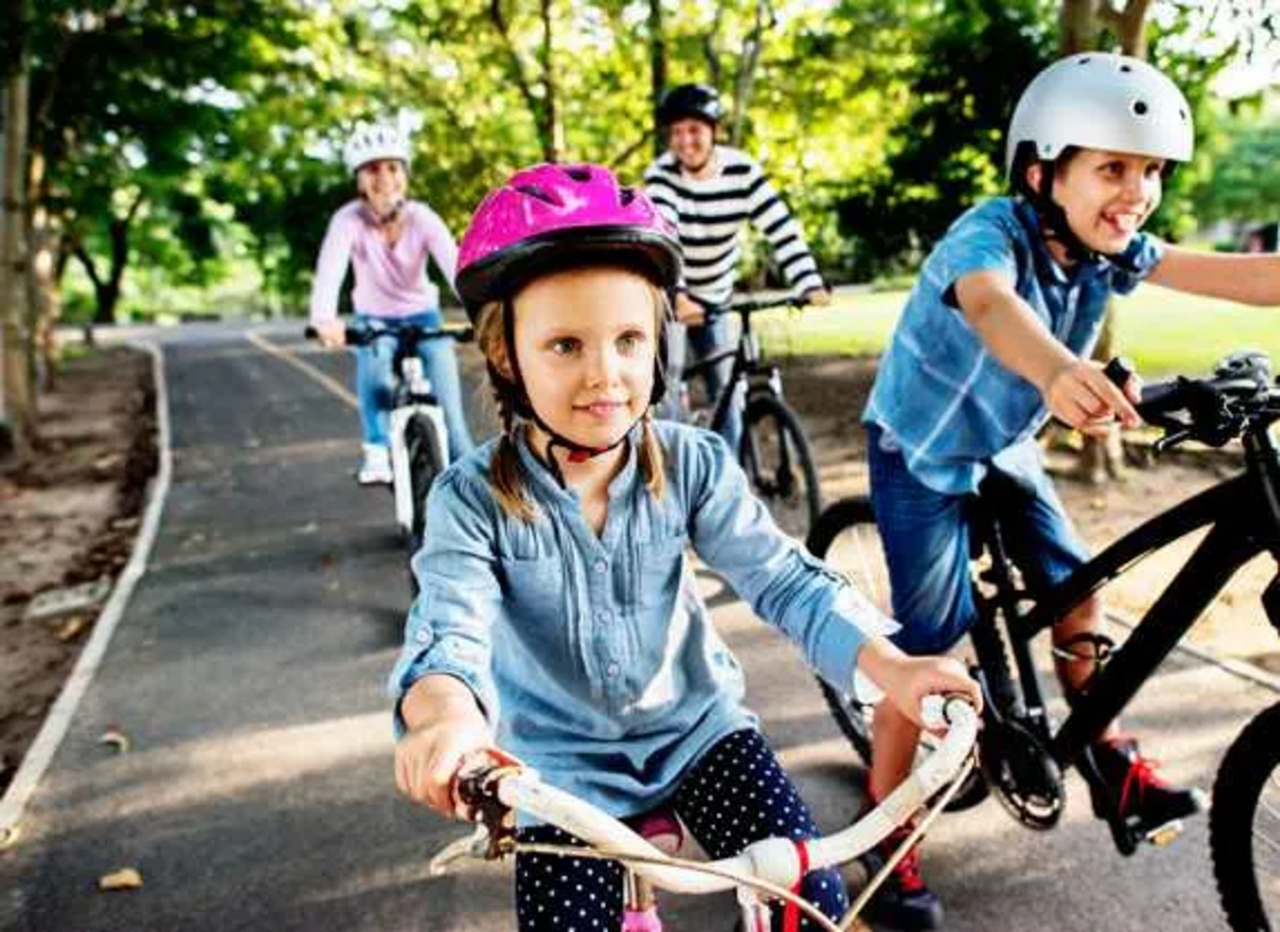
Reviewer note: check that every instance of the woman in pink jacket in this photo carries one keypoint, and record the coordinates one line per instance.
(387, 239)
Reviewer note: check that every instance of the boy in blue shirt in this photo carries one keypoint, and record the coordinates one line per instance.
(995, 338)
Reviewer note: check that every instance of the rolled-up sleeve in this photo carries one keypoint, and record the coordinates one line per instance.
(815, 608)
(448, 628)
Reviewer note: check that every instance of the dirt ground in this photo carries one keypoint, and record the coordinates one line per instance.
(69, 516)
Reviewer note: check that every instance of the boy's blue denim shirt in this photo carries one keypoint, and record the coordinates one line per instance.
(940, 396)
(592, 656)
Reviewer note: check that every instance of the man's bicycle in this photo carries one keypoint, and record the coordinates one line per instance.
(1022, 751)
(418, 436)
(496, 787)
(773, 449)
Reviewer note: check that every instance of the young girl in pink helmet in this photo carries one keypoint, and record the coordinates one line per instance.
(558, 619)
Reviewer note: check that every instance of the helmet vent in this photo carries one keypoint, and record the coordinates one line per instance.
(1083, 61)
(578, 173)
(539, 192)
(626, 196)
(1126, 68)
(1140, 108)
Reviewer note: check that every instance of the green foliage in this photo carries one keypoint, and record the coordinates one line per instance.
(975, 58)
(1245, 184)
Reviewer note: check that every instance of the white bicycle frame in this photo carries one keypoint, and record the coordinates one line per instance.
(772, 865)
(418, 385)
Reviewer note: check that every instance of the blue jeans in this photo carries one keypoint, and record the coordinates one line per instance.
(926, 544)
(690, 344)
(374, 380)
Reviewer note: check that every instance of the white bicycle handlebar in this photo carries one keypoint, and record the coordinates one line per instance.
(775, 860)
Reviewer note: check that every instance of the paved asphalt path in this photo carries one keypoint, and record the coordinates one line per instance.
(248, 674)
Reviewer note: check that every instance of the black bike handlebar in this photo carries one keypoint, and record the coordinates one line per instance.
(749, 305)
(363, 336)
(1237, 398)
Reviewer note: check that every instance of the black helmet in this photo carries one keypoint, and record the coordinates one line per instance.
(690, 101)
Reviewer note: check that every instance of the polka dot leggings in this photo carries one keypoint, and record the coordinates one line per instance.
(737, 794)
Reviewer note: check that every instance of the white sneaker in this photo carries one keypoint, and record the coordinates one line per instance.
(376, 468)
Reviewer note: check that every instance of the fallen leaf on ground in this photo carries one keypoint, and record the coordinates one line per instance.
(68, 630)
(127, 878)
(116, 738)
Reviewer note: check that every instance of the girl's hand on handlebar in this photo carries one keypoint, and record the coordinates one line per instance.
(332, 333)
(1081, 396)
(428, 758)
(929, 676)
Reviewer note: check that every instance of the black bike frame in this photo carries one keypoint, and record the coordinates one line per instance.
(746, 359)
(1238, 531)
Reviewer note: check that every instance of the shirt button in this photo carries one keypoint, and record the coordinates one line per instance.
(602, 615)
(613, 669)
(423, 636)
(601, 566)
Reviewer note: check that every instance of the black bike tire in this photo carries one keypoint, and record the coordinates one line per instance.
(831, 523)
(764, 406)
(424, 465)
(1248, 765)
(852, 717)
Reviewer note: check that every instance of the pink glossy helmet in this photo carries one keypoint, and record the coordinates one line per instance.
(560, 216)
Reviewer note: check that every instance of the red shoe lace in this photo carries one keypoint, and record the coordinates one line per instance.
(907, 871)
(1141, 774)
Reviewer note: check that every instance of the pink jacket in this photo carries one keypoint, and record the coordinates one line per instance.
(389, 281)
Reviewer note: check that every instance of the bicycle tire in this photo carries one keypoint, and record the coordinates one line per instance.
(1250, 769)
(846, 538)
(775, 454)
(424, 465)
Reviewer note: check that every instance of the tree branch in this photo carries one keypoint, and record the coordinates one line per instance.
(499, 20)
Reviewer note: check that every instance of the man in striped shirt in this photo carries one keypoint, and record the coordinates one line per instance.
(709, 192)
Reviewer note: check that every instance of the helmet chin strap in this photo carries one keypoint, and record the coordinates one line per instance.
(1053, 219)
(389, 217)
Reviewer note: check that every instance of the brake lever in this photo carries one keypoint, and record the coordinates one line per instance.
(1172, 440)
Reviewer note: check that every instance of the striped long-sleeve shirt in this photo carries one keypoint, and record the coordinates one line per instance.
(709, 214)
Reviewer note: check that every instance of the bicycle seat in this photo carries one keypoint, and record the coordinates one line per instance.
(661, 828)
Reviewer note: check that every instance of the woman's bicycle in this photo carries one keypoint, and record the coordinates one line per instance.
(1022, 751)
(773, 449)
(418, 436)
(495, 787)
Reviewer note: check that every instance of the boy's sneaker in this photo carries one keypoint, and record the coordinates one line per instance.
(376, 468)
(903, 902)
(1127, 792)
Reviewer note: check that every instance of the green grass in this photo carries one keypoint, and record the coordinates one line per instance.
(1162, 331)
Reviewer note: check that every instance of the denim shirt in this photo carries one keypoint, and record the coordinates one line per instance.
(940, 396)
(593, 656)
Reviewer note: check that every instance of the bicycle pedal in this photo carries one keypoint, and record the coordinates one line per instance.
(1165, 834)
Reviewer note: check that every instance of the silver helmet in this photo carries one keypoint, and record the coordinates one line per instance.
(1099, 100)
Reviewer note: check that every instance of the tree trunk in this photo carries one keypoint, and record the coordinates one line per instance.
(745, 79)
(17, 397)
(657, 70)
(1080, 20)
(553, 129)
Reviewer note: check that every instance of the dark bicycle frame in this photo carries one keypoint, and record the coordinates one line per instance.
(1239, 529)
(748, 363)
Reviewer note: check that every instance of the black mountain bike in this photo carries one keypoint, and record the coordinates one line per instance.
(1023, 752)
(419, 438)
(774, 451)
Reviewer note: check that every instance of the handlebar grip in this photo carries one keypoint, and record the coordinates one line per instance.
(1119, 370)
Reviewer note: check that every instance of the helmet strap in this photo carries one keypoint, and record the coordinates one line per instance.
(1053, 219)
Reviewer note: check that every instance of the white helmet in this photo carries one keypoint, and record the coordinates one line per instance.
(369, 142)
(1098, 100)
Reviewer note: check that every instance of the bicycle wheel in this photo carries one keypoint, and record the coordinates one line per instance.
(1244, 826)
(776, 457)
(846, 539)
(424, 465)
